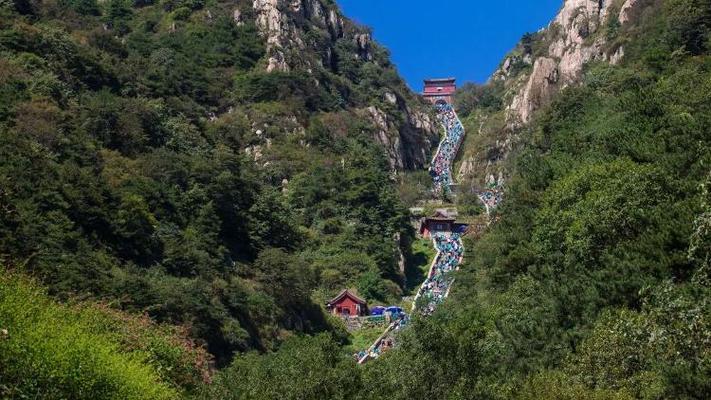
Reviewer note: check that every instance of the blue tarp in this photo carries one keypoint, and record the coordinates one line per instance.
(377, 310)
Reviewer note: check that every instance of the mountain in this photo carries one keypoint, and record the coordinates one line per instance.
(184, 183)
(592, 281)
(543, 64)
(225, 166)
(311, 36)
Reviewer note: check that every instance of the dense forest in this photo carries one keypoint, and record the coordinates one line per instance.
(172, 216)
(594, 282)
(149, 164)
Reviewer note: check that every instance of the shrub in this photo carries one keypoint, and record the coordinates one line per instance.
(83, 7)
(181, 14)
(304, 368)
(55, 351)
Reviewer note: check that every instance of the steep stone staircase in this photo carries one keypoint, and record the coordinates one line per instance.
(435, 289)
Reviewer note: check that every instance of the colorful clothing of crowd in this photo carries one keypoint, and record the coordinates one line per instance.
(449, 246)
(385, 342)
(436, 288)
(432, 292)
(441, 168)
(491, 198)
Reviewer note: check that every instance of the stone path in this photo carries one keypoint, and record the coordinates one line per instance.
(435, 289)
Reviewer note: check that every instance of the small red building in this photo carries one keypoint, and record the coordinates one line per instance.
(440, 90)
(441, 221)
(347, 304)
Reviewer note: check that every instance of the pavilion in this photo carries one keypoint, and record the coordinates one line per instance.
(441, 221)
(347, 304)
(440, 90)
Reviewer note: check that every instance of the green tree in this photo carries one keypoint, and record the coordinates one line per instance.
(304, 368)
(83, 7)
(371, 286)
(271, 222)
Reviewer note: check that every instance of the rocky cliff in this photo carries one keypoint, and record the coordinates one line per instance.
(574, 38)
(314, 38)
(541, 65)
(278, 21)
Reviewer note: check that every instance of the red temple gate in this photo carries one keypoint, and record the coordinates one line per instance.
(440, 90)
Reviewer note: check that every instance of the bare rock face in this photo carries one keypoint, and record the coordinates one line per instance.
(573, 43)
(594, 11)
(275, 27)
(468, 167)
(406, 145)
(391, 143)
(237, 17)
(335, 23)
(277, 62)
(390, 98)
(418, 134)
(270, 21)
(540, 87)
(578, 20)
(401, 257)
(535, 72)
(506, 69)
(275, 21)
(616, 57)
(284, 24)
(627, 10)
(362, 41)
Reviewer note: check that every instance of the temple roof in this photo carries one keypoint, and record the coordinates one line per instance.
(347, 293)
(440, 219)
(439, 87)
(440, 215)
(440, 80)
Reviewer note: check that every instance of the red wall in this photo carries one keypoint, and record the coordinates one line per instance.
(346, 302)
(431, 92)
(446, 90)
(431, 226)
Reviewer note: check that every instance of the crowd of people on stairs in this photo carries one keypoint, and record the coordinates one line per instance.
(441, 168)
(386, 341)
(449, 245)
(436, 288)
(491, 198)
(432, 292)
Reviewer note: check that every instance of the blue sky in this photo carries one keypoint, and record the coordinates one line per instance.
(466, 39)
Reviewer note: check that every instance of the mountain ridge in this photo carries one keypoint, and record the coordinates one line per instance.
(185, 192)
(543, 64)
